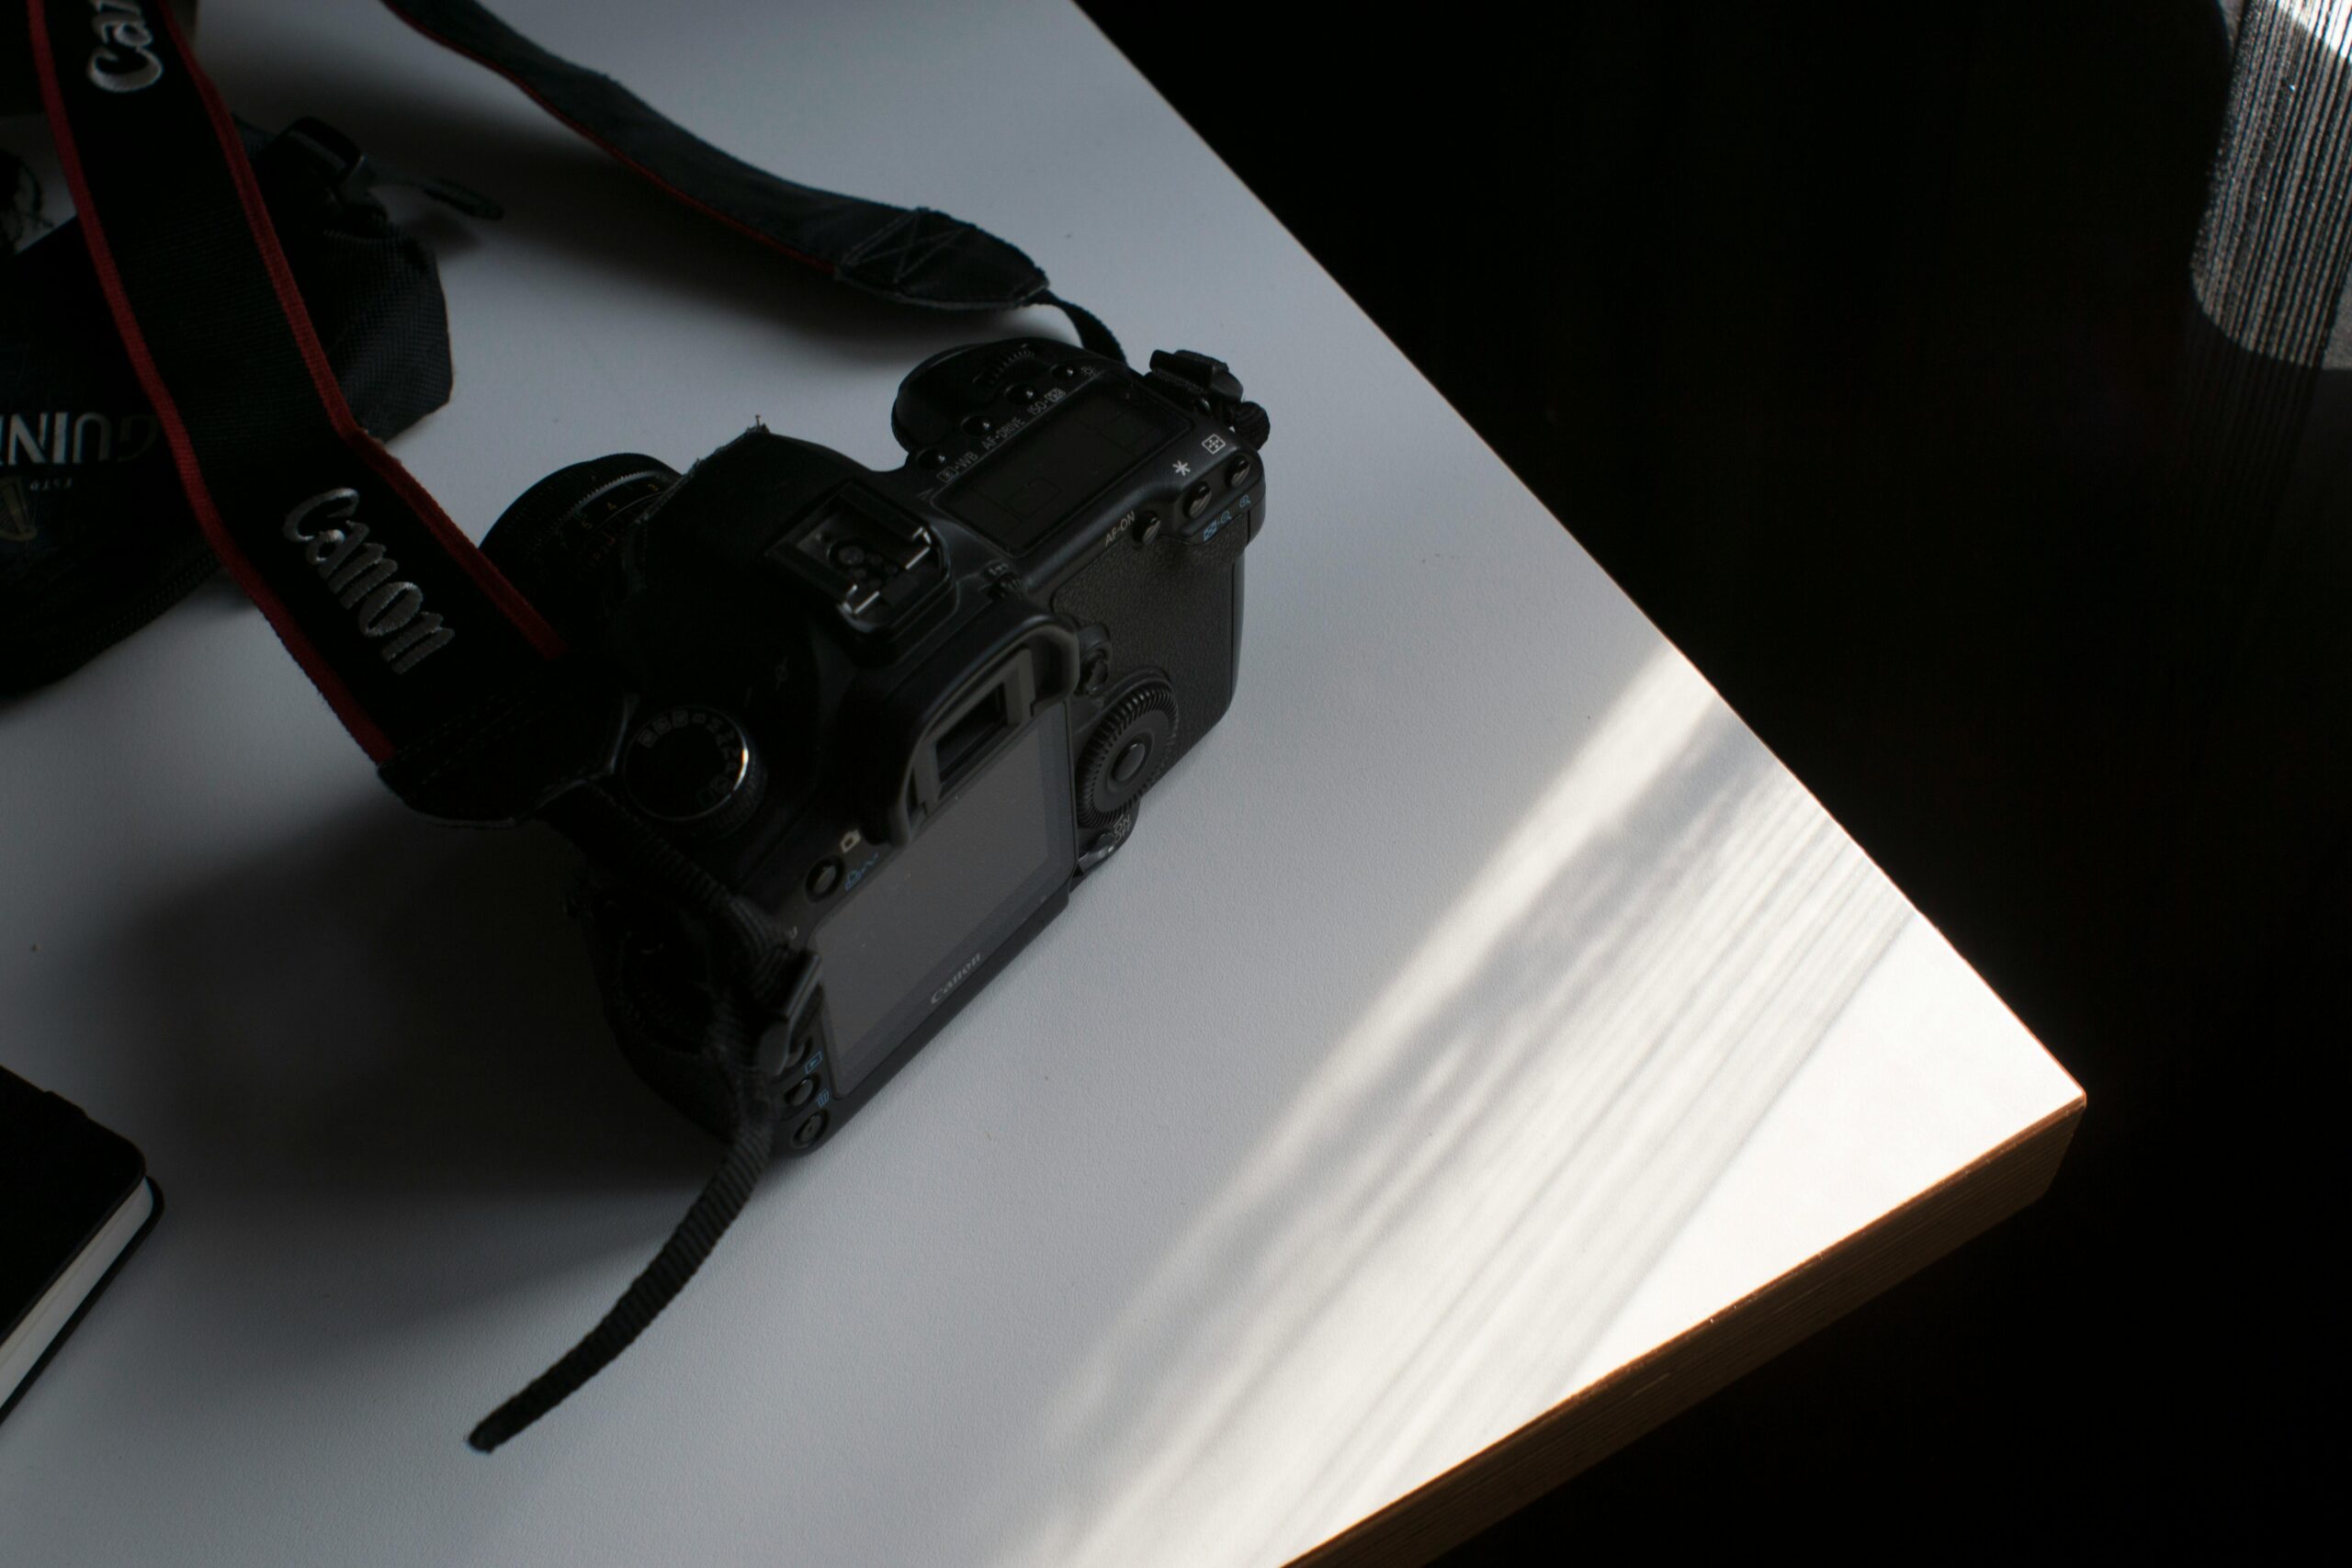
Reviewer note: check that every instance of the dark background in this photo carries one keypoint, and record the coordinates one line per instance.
(1848, 340)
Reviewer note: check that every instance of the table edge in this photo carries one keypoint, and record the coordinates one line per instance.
(1650, 1390)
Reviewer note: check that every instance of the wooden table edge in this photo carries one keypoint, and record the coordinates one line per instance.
(1644, 1394)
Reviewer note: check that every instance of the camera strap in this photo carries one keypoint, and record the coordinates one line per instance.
(96, 536)
(460, 691)
(914, 256)
(445, 674)
(399, 620)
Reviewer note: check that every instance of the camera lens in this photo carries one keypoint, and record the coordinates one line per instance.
(559, 541)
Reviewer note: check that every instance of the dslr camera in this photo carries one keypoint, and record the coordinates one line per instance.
(896, 715)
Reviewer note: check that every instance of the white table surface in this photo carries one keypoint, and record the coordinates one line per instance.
(1477, 1008)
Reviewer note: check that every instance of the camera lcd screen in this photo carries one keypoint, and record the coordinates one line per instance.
(921, 926)
(1018, 495)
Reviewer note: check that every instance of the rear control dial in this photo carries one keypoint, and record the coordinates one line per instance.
(692, 767)
(1129, 749)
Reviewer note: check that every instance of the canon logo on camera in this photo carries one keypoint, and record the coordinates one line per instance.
(957, 979)
(123, 62)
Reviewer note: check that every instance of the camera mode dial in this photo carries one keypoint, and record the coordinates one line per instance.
(1130, 747)
(692, 768)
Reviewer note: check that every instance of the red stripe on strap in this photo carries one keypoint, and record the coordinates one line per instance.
(150, 380)
(452, 539)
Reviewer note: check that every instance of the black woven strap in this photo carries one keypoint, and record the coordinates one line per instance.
(758, 986)
(722, 1198)
(912, 254)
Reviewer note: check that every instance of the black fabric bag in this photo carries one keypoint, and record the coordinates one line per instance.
(96, 534)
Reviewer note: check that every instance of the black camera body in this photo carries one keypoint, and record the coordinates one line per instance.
(897, 715)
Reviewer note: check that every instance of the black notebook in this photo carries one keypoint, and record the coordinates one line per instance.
(74, 1199)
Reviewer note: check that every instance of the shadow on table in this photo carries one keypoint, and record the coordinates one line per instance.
(380, 1006)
